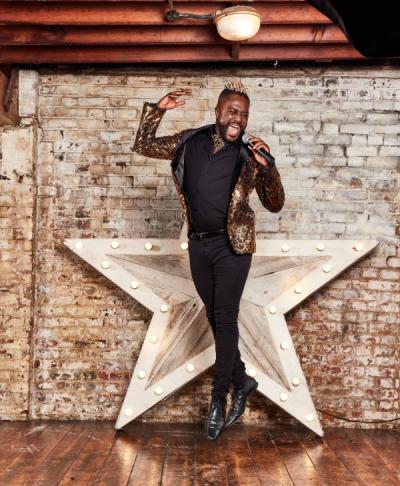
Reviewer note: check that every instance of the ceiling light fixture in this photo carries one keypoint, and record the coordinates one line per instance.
(237, 23)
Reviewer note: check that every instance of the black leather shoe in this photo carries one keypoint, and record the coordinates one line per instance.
(239, 400)
(216, 418)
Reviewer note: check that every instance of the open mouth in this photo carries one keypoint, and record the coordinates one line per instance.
(233, 130)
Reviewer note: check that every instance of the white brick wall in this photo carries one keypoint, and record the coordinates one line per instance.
(335, 134)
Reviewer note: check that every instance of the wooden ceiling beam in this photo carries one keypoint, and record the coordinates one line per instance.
(136, 35)
(176, 2)
(133, 31)
(124, 13)
(316, 52)
(235, 52)
(133, 54)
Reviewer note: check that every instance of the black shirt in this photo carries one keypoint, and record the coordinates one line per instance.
(208, 179)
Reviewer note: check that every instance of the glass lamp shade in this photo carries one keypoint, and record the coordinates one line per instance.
(237, 23)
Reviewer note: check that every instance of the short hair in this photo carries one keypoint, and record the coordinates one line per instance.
(233, 88)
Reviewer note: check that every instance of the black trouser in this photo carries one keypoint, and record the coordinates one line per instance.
(219, 275)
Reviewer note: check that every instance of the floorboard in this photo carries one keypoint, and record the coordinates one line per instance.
(60, 453)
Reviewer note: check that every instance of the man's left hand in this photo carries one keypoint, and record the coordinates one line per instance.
(258, 143)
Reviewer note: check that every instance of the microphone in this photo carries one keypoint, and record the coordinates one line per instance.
(267, 156)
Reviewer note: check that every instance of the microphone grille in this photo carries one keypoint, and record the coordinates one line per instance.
(245, 138)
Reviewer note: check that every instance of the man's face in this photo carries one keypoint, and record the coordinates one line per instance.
(231, 115)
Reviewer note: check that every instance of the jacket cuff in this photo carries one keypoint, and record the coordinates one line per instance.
(153, 106)
(266, 169)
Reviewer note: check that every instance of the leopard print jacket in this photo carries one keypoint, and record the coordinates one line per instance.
(241, 218)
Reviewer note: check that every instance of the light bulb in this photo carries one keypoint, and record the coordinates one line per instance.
(237, 23)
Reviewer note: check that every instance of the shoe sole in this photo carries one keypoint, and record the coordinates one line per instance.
(252, 390)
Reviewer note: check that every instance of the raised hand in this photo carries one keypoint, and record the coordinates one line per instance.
(171, 100)
(258, 143)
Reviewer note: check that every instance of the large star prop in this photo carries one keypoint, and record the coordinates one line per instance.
(179, 344)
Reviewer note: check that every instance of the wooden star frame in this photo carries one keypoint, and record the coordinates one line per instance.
(179, 344)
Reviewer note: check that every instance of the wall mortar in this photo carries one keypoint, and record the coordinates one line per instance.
(334, 132)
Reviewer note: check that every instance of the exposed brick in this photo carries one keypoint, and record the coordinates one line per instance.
(16, 278)
(334, 133)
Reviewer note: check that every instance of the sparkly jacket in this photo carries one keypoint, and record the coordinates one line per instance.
(250, 175)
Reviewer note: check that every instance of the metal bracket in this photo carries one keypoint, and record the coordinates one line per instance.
(173, 14)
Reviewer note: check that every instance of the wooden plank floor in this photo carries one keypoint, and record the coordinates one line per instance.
(50, 453)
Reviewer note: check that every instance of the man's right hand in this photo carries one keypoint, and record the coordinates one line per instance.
(170, 101)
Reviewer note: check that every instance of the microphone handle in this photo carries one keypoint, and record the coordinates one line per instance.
(267, 156)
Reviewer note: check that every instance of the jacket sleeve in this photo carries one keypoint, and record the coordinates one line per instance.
(269, 188)
(146, 142)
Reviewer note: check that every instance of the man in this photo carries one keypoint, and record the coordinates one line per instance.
(214, 173)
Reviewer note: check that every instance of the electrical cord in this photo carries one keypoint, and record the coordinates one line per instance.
(359, 421)
(345, 419)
